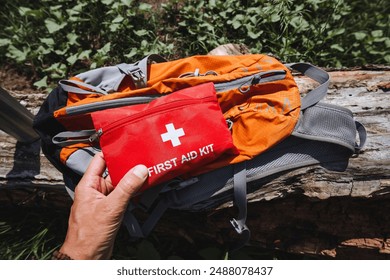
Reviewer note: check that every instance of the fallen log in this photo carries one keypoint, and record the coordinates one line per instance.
(310, 210)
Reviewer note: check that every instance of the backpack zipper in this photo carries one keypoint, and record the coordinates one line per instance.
(252, 80)
(242, 84)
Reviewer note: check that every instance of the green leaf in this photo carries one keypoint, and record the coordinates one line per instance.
(53, 26)
(72, 59)
(107, 2)
(118, 19)
(145, 7)
(56, 11)
(377, 33)
(337, 47)
(275, 18)
(127, 2)
(360, 35)
(84, 54)
(387, 43)
(253, 35)
(4, 42)
(17, 54)
(43, 50)
(47, 41)
(141, 32)
(114, 27)
(72, 38)
(337, 31)
(61, 51)
(42, 83)
(105, 49)
(132, 53)
(24, 11)
(236, 24)
(56, 70)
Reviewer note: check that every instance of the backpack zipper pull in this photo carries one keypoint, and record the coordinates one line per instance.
(95, 136)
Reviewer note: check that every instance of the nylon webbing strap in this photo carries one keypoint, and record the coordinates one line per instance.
(155, 216)
(132, 223)
(135, 228)
(317, 74)
(67, 138)
(361, 130)
(240, 200)
(72, 86)
(139, 70)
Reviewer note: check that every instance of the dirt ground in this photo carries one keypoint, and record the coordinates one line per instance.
(11, 80)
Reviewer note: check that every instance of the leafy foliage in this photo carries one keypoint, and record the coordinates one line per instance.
(329, 33)
(52, 39)
(56, 38)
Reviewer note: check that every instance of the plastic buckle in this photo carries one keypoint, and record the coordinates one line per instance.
(138, 77)
(239, 227)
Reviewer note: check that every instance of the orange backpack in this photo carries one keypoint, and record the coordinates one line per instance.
(273, 128)
(257, 94)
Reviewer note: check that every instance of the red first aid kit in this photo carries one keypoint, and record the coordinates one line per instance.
(172, 135)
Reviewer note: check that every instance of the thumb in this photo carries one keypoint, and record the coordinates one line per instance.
(128, 186)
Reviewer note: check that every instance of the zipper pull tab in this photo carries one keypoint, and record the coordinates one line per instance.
(95, 136)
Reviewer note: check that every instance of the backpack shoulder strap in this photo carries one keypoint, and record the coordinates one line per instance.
(332, 124)
(336, 134)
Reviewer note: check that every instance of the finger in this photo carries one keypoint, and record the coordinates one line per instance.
(95, 168)
(97, 165)
(128, 186)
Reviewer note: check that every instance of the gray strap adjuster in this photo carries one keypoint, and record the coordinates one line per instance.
(138, 77)
(239, 226)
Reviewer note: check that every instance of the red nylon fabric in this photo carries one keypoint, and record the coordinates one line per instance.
(172, 135)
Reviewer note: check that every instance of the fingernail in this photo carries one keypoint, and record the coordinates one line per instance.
(140, 171)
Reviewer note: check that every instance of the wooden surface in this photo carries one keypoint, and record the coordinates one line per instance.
(309, 210)
(313, 210)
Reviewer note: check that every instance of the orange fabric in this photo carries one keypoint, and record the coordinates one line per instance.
(67, 151)
(262, 116)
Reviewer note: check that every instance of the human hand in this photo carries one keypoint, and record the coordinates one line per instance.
(98, 210)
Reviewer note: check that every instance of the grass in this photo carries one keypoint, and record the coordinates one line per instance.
(33, 233)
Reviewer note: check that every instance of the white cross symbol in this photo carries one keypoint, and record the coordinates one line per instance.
(172, 135)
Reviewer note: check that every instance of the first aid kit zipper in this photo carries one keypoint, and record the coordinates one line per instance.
(242, 84)
(102, 105)
(163, 108)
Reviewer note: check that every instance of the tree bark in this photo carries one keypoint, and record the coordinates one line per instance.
(309, 210)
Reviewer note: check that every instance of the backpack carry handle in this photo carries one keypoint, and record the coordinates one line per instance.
(138, 72)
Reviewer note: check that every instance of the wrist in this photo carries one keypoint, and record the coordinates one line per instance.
(75, 251)
(57, 255)
(82, 250)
